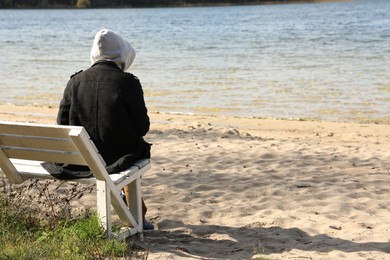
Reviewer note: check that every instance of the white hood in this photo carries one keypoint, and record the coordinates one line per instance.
(111, 47)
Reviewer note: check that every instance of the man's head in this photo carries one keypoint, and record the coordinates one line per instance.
(111, 47)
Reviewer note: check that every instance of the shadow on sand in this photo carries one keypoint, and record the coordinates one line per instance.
(223, 242)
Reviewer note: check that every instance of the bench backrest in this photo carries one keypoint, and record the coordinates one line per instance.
(50, 143)
(40, 143)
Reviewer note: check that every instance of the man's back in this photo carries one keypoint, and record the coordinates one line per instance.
(109, 103)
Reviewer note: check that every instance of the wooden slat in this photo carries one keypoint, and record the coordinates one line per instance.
(132, 174)
(17, 162)
(38, 142)
(33, 169)
(58, 131)
(46, 155)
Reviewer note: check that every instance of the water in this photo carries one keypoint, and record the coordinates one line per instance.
(326, 61)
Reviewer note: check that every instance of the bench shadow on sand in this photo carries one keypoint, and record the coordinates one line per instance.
(224, 242)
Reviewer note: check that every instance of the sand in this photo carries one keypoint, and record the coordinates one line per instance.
(242, 188)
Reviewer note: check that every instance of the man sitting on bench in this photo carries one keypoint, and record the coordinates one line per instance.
(109, 104)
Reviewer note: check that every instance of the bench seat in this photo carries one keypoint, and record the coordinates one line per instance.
(32, 169)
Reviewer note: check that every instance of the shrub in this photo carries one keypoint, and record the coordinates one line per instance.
(83, 3)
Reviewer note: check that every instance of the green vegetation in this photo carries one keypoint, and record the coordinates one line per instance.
(29, 230)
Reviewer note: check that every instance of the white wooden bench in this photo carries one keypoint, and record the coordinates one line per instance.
(23, 146)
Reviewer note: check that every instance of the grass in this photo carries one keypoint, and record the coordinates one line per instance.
(36, 223)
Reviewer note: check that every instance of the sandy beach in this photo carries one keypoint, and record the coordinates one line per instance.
(242, 188)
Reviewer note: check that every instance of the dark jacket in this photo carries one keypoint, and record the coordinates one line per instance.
(109, 103)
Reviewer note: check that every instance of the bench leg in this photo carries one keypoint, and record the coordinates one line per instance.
(103, 197)
(134, 203)
(134, 199)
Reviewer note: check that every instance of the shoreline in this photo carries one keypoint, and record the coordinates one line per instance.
(22, 111)
(241, 126)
